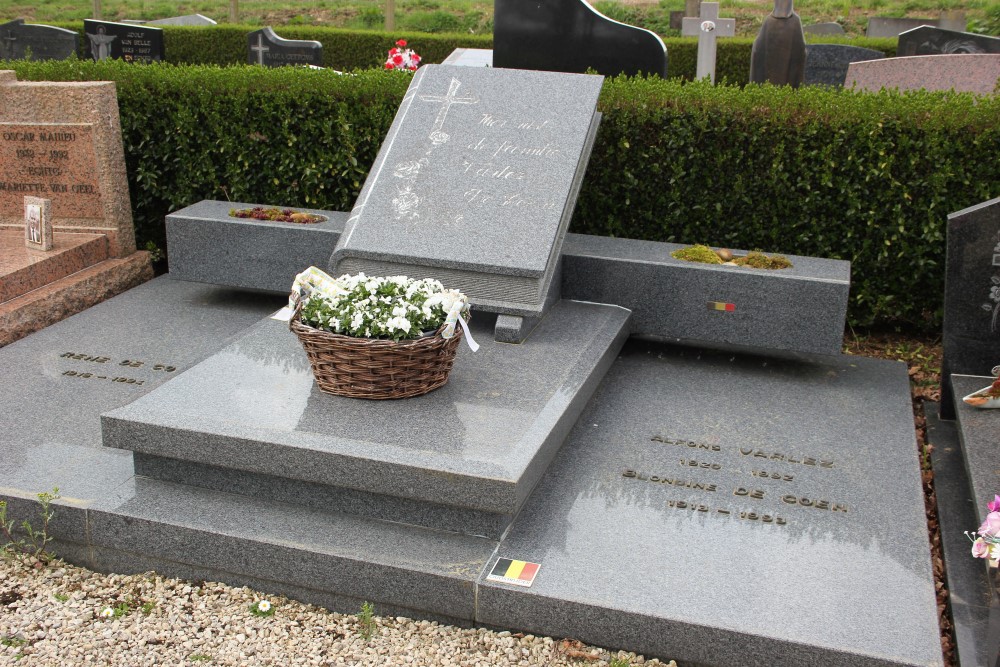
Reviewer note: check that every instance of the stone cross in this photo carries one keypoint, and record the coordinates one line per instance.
(437, 136)
(708, 27)
(260, 49)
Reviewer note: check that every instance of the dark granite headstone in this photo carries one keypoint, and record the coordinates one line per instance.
(133, 43)
(971, 296)
(265, 48)
(571, 36)
(475, 184)
(929, 41)
(778, 55)
(826, 64)
(829, 28)
(19, 40)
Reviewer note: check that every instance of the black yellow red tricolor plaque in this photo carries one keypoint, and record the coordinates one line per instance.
(722, 305)
(517, 572)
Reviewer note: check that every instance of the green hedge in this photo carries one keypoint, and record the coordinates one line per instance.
(347, 50)
(864, 177)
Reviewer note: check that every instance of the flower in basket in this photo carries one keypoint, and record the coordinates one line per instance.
(987, 544)
(401, 57)
(393, 308)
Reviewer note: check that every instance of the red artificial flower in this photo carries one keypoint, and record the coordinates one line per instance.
(398, 59)
(401, 42)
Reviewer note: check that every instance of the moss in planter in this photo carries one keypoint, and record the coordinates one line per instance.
(758, 260)
(697, 253)
(276, 215)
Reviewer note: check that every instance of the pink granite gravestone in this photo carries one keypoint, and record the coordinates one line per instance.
(974, 73)
(61, 142)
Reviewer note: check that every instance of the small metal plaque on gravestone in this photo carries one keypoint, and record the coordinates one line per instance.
(123, 41)
(20, 40)
(826, 64)
(475, 183)
(929, 41)
(971, 296)
(267, 49)
(572, 36)
(37, 223)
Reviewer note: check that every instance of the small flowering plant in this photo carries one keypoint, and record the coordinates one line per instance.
(394, 307)
(987, 544)
(262, 608)
(401, 57)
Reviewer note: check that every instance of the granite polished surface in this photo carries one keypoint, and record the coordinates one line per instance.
(480, 441)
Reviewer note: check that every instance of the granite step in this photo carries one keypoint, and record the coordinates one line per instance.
(463, 458)
(23, 270)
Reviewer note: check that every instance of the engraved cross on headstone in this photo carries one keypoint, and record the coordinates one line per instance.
(708, 27)
(437, 136)
(260, 49)
(8, 50)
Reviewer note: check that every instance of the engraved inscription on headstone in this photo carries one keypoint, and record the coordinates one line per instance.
(475, 183)
(20, 40)
(55, 161)
(265, 48)
(132, 43)
(971, 330)
(734, 476)
(104, 369)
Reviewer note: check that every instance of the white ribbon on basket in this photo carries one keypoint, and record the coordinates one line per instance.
(314, 280)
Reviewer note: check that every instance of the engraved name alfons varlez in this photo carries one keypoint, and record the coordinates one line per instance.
(767, 465)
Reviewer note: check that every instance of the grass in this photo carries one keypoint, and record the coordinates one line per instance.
(476, 16)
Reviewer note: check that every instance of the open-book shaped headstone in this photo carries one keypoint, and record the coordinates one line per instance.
(475, 184)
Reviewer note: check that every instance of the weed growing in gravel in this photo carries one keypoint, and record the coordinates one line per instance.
(147, 607)
(262, 608)
(30, 549)
(13, 641)
(62, 597)
(366, 621)
(619, 662)
(200, 657)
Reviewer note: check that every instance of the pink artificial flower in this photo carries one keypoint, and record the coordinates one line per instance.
(980, 549)
(995, 505)
(991, 527)
(401, 42)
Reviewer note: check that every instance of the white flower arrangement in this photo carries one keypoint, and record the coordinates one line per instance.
(394, 307)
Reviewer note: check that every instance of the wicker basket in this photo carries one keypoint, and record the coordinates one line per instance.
(376, 369)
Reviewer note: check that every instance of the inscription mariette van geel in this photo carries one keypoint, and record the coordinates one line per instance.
(772, 481)
(53, 161)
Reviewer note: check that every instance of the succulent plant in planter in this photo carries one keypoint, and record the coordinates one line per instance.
(753, 259)
(276, 215)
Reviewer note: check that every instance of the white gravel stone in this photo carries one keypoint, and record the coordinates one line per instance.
(173, 622)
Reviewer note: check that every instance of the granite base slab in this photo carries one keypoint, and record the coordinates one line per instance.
(476, 446)
(76, 292)
(974, 609)
(208, 245)
(727, 509)
(23, 270)
(977, 431)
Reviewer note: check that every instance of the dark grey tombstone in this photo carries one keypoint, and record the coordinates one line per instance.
(930, 41)
(826, 64)
(123, 41)
(20, 40)
(971, 296)
(888, 26)
(778, 55)
(829, 28)
(475, 184)
(265, 48)
(188, 20)
(571, 36)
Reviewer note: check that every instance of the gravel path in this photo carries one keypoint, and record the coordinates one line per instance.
(67, 615)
